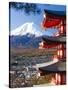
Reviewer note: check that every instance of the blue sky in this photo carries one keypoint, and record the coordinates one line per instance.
(18, 17)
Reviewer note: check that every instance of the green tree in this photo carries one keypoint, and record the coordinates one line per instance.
(28, 8)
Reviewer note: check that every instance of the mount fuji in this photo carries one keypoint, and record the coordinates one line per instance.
(28, 28)
(28, 35)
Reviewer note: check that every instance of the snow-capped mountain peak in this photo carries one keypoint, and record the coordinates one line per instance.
(28, 28)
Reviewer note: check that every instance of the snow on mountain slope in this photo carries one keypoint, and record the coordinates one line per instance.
(28, 28)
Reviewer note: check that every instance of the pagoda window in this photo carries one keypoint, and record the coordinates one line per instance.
(58, 78)
(61, 28)
(55, 58)
(59, 46)
(61, 52)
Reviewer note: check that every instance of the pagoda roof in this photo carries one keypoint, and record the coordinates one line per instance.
(51, 39)
(60, 66)
(54, 12)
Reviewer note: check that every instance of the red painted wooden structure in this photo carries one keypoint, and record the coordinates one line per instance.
(52, 19)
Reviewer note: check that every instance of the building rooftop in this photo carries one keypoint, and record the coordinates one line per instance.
(59, 13)
(51, 39)
(60, 66)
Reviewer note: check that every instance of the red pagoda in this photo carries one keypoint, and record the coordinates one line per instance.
(55, 19)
